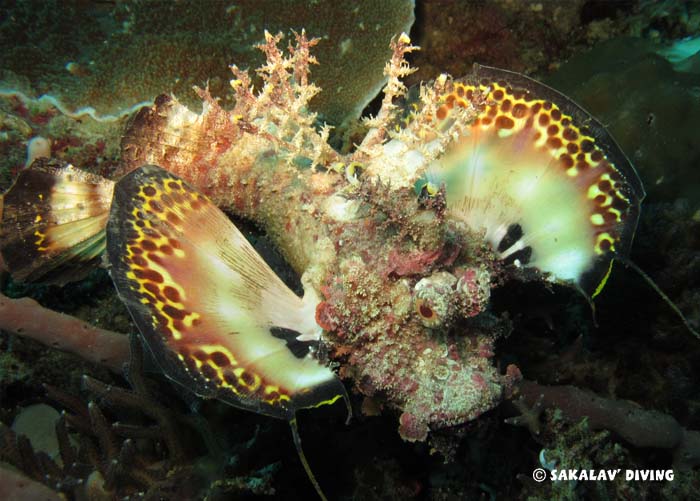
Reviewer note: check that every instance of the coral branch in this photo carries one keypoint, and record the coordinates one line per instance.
(28, 318)
(139, 399)
(14, 485)
(638, 426)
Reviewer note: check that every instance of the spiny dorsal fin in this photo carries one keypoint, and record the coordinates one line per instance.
(53, 222)
(544, 180)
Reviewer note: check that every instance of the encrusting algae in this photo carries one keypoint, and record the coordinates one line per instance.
(456, 187)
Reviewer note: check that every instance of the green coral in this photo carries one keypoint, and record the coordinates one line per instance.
(136, 50)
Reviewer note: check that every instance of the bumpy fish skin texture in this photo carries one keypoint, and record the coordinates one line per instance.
(398, 239)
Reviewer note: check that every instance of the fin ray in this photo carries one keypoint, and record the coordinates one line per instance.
(302, 457)
(53, 222)
(205, 301)
(534, 158)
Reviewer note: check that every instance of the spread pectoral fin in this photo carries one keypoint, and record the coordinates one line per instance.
(206, 302)
(542, 178)
(53, 222)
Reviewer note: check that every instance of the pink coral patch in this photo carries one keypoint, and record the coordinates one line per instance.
(326, 317)
(412, 429)
(414, 263)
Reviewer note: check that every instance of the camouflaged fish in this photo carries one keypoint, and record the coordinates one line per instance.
(507, 173)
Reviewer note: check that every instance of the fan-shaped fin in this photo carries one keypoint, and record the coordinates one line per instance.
(536, 165)
(53, 222)
(205, 301)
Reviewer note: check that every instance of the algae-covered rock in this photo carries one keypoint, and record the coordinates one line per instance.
(650, 108)
(37, 422)
(114, 57)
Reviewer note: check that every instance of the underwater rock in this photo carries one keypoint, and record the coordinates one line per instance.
(38, 422)
(649, 107)
(669, 248)
(73, 73)
(520, 36)
(81, 140)
(111, 58)
(683, 54)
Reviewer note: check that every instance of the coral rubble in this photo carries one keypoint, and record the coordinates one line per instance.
(153, 451)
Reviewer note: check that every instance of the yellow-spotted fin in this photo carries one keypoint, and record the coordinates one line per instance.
(53, 222)
(215, 316)
(540, 176)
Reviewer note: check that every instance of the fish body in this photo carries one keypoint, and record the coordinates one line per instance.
(397, 279)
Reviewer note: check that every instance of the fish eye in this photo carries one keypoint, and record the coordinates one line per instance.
(428, 190)
(353, 172)
(427, 314)
(426, 311)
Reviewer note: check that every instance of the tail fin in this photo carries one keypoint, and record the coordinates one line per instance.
(52, 224)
